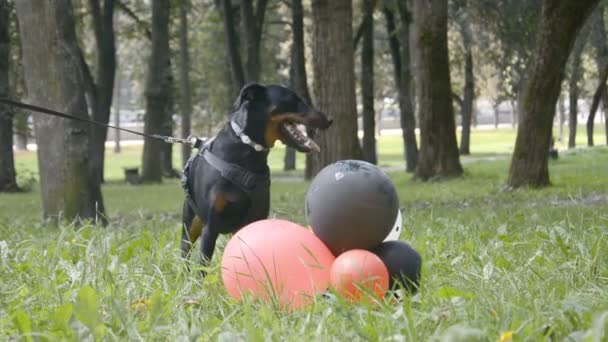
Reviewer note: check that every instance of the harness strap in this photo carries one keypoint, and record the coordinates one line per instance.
(237, 175)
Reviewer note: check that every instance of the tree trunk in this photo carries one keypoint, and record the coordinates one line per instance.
(8, 181)
(101, 91)
(54, 80)
(400, 53)
(298, 77)
(562, 118)
(597, 96)
(334, 80)
(232, 45)
(117, 98)
(166, 152)
(367, 83)
(21, 130)
(469, 88)
(598, 35)
(438, 146)
(514, 114)
(157, 91)
(253, 22)
(184, 68)
(573, 90)
(559, 24)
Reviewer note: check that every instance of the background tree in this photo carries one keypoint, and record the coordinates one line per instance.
(184, 67)
(157, 91)
(559, 24)
(47, 34)
(367, 81)
(297, 75)
(576, 71)
(462, 18)
(334, 80)
(100, 89)
(399, 45)
(438, 147)
(8, 181)
(600, 44)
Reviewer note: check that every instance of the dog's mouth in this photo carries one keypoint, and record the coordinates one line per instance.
(293, 135)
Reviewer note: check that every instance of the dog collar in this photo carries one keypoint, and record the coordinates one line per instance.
(240, 132)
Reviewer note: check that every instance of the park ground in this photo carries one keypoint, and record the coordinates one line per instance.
(525, 265)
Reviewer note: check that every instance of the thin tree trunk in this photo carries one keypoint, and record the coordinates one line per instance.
(184, 67)
(253, 21)
(562, 118)
(469, 89)
(367, 83)
(597, 96)
(101, 96)
(21, 130)
(8, 181)
(54, 80)
(166, 153)
(117, 99)
(298, 77)
(559, 25)
(573, 91)
(514, 113)
(334, 80)
(157, 91)
(438, 146)
(400, 53)
(599, 38)
(232, 45)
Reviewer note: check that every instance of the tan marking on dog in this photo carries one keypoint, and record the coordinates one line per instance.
(196, 228)
(219, 202)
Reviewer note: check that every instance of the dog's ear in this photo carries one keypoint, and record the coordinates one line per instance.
(250, 92)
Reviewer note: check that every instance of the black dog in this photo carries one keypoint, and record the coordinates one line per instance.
(227, 183)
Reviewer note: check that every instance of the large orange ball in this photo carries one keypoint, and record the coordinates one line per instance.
(276, 260)
(357, 272)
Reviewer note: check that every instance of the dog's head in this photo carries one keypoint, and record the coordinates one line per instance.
(271, 113)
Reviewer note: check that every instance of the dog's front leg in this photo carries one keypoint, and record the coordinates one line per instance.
(208, 239)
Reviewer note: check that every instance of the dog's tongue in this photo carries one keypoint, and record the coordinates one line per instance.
(300, 140)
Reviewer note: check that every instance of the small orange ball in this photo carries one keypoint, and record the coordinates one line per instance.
(357, 272)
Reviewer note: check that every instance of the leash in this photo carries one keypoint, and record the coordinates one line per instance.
(192, 141)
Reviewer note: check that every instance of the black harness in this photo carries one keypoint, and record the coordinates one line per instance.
(253, 184)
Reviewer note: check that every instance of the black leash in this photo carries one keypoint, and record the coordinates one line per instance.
(192, 141)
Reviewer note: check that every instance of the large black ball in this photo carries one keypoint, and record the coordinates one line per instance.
(351, 204)
(403, 262)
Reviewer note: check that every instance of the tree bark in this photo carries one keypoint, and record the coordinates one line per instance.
(184, 68)
(597, 96)
(101, 89)
(496, 114)
(54, 80)
(367, 83)
(469, 87)
(8, 181)
(438, 146)
(562, 117)
(117, 98)
(560, 22)
(334, 80)
(253, 22)
(573, 90)
(400, 54)
(232, 46)
(157, 91)
(601, 60)
(298, 77)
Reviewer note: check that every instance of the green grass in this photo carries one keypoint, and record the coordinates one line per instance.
(531, 262)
